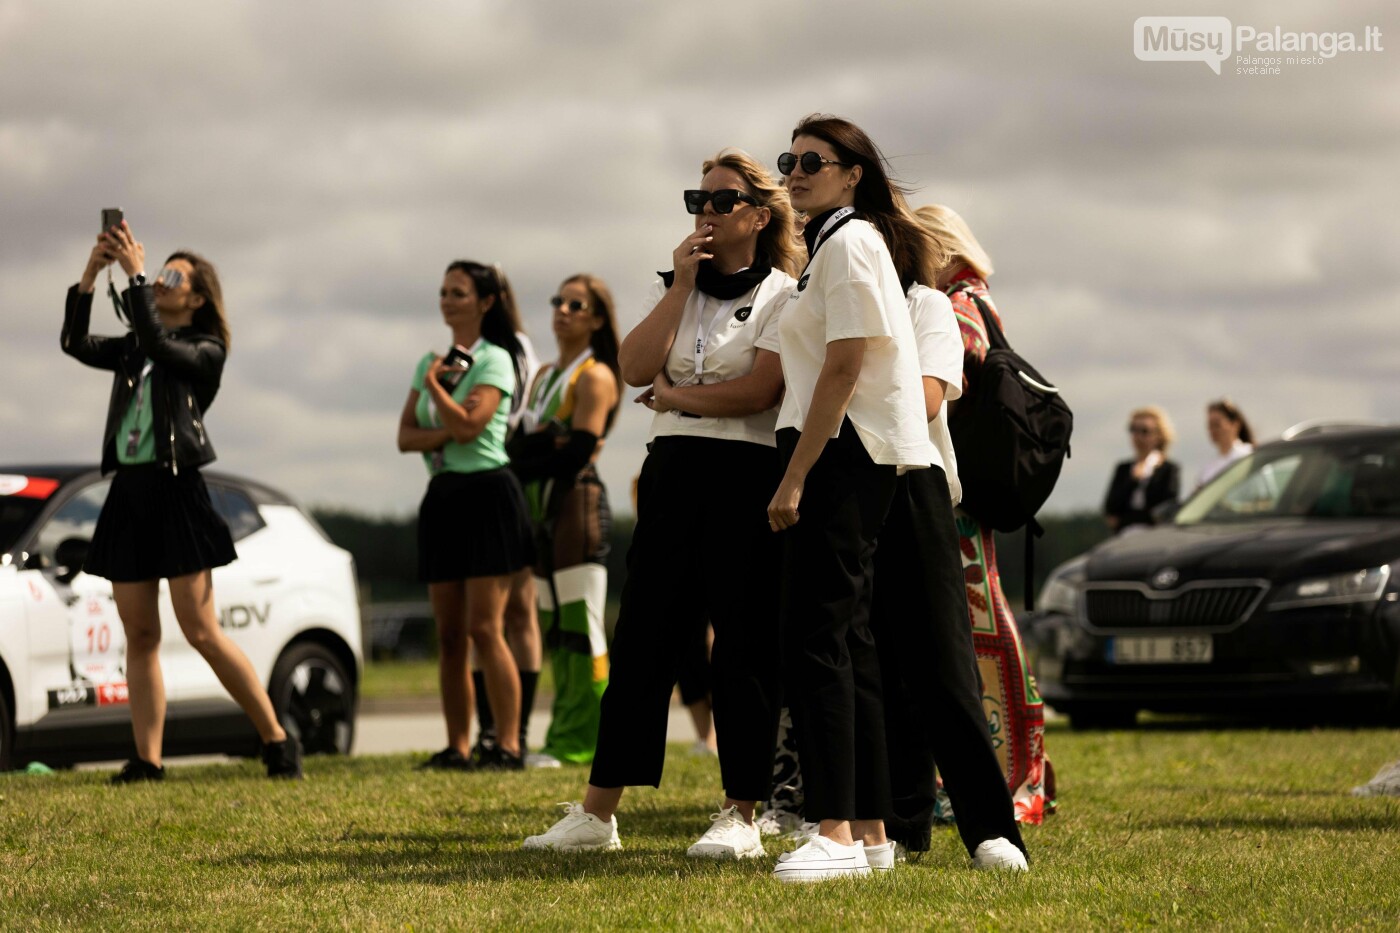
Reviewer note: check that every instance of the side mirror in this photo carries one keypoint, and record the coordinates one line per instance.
(69, 557)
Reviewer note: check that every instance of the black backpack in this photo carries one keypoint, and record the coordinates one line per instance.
(1010, 432)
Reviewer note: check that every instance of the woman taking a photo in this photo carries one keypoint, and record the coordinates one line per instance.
(569, 410)
(852, 420)
(473, 528)
(158, 522)
(701, 550)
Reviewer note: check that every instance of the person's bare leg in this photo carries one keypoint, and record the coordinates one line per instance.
(746, 807)
(522, 622)
(836, 831)
(486, 606)
(454, 678)
(139, 608)
(602, 801)
(193, 599)
(701, 716)
(872, 832)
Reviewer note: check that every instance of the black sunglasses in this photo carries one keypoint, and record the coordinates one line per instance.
(810, 161)
(723, 200)
(574, 305)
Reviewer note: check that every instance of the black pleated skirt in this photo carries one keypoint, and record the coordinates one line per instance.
(473, 525)
(157, 525)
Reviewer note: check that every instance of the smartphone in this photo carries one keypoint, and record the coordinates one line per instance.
(111, 217)
(458, 361)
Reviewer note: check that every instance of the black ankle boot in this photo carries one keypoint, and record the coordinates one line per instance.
(138, 769)
(283, 759)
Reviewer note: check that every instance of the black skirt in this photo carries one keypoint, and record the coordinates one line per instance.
(473, 525)
(156, 525)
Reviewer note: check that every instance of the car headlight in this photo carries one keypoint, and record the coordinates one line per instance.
(1061, 591)
(1356, 586)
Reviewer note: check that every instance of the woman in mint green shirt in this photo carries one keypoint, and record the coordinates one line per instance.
(473, 525)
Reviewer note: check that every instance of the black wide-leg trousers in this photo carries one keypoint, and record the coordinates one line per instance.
(928, 668)
(832, 670)
(702, 552)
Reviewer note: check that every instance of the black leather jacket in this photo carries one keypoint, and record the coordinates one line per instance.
(184, 380)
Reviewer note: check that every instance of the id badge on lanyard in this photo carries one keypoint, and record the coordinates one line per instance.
(703, 334)
(133, 437)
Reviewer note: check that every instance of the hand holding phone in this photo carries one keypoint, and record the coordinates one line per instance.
(454, 368)
(111, 217)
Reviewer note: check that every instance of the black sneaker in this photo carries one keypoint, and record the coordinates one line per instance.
(138, 769)
(498, 759)
(449, 759)
(485, 749)
(283, 759)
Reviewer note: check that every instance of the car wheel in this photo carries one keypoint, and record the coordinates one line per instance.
(315, 699)
(7, 734)
(1083, 718)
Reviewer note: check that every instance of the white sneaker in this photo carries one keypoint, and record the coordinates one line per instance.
(729, 836)
(881, 857)
(1385, 783)
(776, 822)
(819, 859)
(541, 760)
(576, 832)
(701, 749)
(999, 853)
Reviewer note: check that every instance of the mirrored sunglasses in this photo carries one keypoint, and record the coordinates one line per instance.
(811, 163)
(722, 200)
(170, 278)
(574, 306)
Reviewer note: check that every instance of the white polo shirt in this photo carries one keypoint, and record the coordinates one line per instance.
(730, 333)
(940, 349)
(849, 290)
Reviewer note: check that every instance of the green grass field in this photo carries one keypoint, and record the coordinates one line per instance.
(1159, 827)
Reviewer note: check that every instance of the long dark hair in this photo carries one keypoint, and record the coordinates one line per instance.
(1231, 413)
(501, 322)
(604, 340)
(879, 199)
(211, 316)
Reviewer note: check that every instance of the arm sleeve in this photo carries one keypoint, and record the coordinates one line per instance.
(937, 337)
(1116, 501)
(494, 367)
(653, 298)
(854, 301)
(98, 352)
(421, 373)
(768, 330)
(540, 457)
(200, 361)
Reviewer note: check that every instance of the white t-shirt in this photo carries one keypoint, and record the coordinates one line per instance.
(940, 349)
(730, 331)
(1211, 470)
(529, 363)
(850, 290)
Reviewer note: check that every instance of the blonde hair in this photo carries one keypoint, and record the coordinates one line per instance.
(952, 233)
(1166, 434)
(778, 241)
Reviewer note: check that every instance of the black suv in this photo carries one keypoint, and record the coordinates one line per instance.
(1275, 588)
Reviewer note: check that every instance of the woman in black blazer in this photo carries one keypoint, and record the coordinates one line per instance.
(1149, 479)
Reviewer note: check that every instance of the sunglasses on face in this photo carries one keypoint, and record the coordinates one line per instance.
(811, 163)
(574, 306)
(170, 278)
(1141, 429)
(722, 200)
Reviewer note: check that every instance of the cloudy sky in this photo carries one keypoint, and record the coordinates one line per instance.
(1161, 234)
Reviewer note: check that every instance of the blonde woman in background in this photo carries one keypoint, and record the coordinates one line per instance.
(1015, 711)
(1149, 479)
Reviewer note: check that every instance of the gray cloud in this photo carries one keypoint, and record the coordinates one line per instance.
(1161, 234)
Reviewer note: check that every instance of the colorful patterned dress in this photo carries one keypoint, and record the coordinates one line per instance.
(1015, 712)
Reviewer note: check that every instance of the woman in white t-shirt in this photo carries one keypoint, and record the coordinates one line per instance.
(1231, 436)
(852, 420)
(706, 350)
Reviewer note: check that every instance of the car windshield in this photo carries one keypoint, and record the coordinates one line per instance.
(1336, 479)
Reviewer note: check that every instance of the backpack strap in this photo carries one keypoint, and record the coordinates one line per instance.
(996, 340)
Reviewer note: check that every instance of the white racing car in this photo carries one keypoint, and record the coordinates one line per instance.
(289, 601)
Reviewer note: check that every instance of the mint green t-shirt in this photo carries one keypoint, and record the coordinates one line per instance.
(491, 366)
(138, 419)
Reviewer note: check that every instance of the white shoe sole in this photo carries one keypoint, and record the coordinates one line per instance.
(723, 852)
(1001, 864)
(612, 845)
(822, 874)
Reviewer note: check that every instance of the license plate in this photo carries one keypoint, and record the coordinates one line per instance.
(1178, 649)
